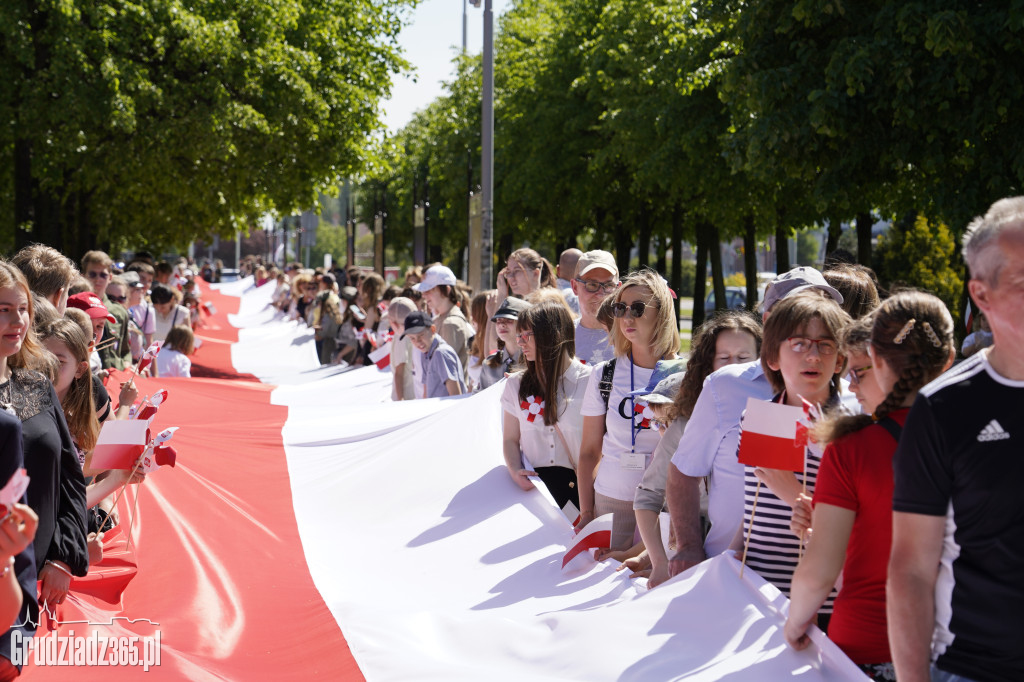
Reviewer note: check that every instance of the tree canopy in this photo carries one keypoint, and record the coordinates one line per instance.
(152, 123)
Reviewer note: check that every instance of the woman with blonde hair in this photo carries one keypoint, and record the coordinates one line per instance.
(618, 432)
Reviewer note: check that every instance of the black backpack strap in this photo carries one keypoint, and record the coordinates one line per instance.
(892, 426)
(607, 377)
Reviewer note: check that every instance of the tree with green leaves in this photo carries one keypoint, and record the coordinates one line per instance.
(155, 123)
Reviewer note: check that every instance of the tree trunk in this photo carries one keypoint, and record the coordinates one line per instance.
(661, 263)
(750, 261)
(834, 232)
(677, 255)
(782, 250)
(701, 277)
(623, 244)
(643, 244)
(864, 222)
(24, 210)
(717, 278)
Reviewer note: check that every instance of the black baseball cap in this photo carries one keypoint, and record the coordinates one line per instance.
(415, 322)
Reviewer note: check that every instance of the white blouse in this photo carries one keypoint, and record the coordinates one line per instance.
(540, 444)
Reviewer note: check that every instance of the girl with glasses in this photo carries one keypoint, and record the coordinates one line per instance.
(802, 361)
(911, 343)
(542, 427)
(618, 432)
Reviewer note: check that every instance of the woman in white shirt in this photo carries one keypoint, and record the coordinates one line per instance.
(618, 431)
(168, 313)
(542, 427)
(172, 360)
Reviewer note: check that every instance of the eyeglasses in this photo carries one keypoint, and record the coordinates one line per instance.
(801, 344)
(857, 375)
(117, 299)
(635, 309)
(103, 274)
(523, 337)
(594, 287)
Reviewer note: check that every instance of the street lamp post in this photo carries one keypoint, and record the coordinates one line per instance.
(487, 148)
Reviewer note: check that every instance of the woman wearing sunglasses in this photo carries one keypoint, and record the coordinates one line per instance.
(618, 431)
(541, 405)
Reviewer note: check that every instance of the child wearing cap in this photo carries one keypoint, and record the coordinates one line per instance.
(508, 357)
(98, 315)
(440, 291)
(442, 369)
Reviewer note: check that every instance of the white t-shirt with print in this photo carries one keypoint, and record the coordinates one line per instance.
(613, 478)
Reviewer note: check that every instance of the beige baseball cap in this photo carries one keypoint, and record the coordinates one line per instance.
(592, 260)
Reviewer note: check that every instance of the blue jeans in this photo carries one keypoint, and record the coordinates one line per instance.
(943, 676)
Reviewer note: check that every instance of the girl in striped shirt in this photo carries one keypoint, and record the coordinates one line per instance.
(801, 358)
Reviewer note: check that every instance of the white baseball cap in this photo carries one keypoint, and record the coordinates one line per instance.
(434, 276)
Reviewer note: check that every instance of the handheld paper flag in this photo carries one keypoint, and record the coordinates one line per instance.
(596, 535)
(381, 356)
(120, 444)
(12, 492)
(149, 356)
(768, 438)
(165, 435)
(148, 407)
(160, 455)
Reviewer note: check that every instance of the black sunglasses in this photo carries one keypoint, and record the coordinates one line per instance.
(635, 309)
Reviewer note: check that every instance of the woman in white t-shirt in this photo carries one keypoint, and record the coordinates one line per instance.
(168, 313)
(172, 360)
(618, 432)
(543, 427)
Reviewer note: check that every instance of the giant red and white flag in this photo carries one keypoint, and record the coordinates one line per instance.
(469, 558)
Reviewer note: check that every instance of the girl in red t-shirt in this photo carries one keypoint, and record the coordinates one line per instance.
(911, 343)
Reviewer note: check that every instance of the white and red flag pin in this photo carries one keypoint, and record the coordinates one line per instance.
(646, 414)
(533, 406)
(595, 535)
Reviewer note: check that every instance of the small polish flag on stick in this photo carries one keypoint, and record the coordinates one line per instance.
(148, 407)
(595, 535)
(768, 440)
(768, 437)
(146, 360)
(120, 443)
(381, 356)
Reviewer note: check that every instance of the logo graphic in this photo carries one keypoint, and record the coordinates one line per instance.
(992, 432)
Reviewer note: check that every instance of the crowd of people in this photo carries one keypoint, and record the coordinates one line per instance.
(63, 328)
(900, 538)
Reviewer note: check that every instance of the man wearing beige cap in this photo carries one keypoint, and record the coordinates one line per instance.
(597, 276)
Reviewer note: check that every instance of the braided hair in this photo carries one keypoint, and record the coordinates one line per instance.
(913, 333)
